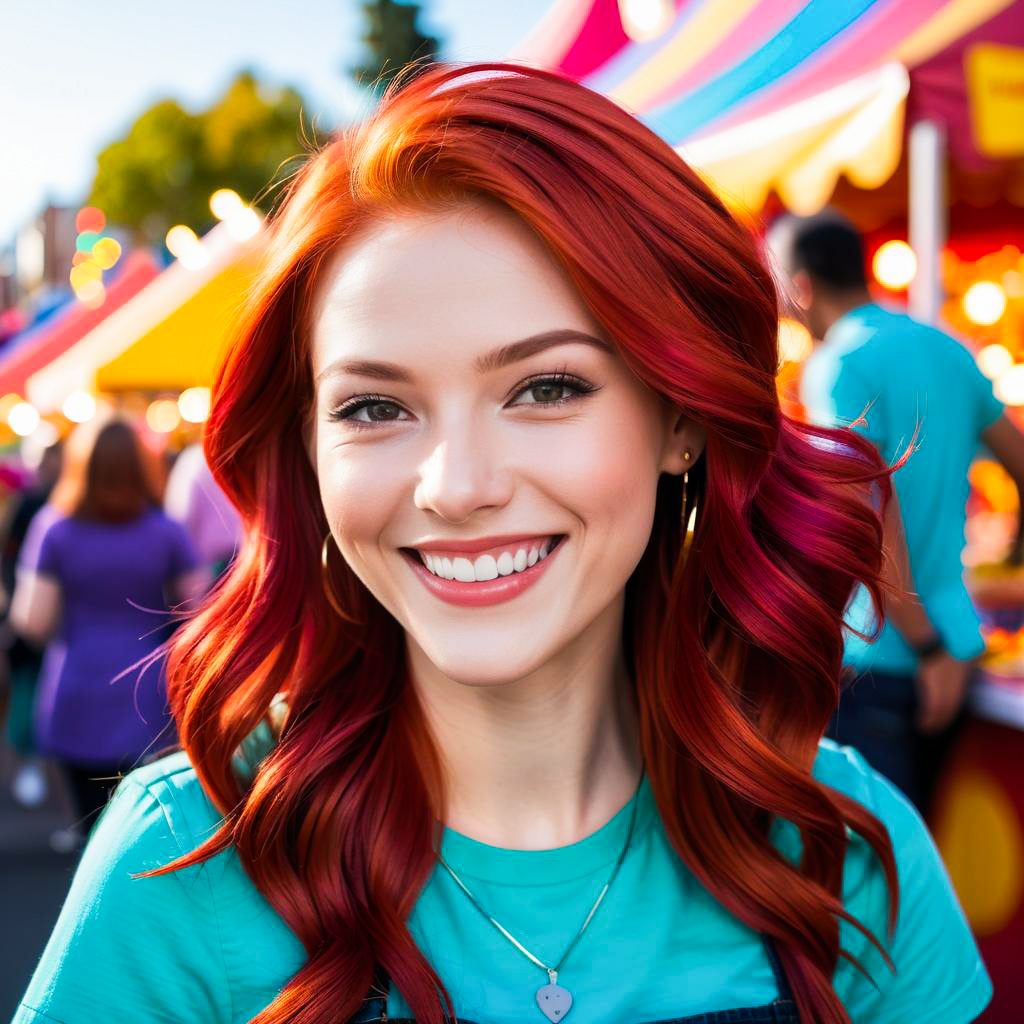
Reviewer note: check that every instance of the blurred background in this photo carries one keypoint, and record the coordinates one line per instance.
(145, 144)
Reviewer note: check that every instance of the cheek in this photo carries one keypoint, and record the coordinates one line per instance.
(357, 496)
(607, 471)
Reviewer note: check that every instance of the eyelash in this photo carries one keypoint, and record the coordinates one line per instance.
(560, 379)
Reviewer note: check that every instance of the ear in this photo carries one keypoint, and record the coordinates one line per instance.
(683, 435)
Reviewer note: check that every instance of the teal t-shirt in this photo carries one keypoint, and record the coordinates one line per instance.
(898, 373)
(204, 945)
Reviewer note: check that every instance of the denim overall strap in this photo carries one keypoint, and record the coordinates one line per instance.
(781, 981)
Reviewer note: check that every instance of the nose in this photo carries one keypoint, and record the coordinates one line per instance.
(462, 474)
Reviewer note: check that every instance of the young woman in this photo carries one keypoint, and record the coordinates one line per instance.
(510, 708)
(100, 563)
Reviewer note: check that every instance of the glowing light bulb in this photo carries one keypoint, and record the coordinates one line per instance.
(984, 303)
(894, 265)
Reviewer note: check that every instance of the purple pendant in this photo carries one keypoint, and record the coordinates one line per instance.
(554, 1002)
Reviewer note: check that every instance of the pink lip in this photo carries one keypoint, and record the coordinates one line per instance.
(478, 595)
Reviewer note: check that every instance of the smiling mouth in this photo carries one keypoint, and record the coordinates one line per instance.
(513, 570)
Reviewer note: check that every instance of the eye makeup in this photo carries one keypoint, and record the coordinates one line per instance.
(560, 380)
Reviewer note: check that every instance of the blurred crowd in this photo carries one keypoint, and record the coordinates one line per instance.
(106, 547)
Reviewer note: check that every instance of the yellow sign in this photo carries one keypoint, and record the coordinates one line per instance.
(995, 90)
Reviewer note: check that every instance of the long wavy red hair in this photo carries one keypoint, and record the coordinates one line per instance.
(735, 650)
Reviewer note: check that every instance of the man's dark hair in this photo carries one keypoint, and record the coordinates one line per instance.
(827, 246)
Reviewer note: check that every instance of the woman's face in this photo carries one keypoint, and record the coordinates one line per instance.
(450, 445)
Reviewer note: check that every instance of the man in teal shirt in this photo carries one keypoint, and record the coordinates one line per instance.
(889, 376)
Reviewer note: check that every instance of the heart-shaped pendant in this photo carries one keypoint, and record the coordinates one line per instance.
(554, 1002)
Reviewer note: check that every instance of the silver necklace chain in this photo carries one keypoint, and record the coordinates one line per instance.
(553, 971)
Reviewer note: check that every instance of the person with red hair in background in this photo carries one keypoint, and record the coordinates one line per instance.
(99, 566)
(511, 705)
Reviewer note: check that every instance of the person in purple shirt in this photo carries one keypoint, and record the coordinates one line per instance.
(101, 567)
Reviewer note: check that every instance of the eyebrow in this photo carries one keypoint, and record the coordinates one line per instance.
(496, 359)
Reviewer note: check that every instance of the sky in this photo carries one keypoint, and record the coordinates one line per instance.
(74, 74)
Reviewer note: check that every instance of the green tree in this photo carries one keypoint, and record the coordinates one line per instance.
(163, 171)
(392, 40)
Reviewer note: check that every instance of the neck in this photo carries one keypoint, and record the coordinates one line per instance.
(541, 761)
(838, 304)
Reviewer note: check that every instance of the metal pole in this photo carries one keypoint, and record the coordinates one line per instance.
(927, 217)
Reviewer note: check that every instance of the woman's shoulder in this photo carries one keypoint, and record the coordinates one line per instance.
(845, 770)
(172, 783)
(939, 974)
(199, 943)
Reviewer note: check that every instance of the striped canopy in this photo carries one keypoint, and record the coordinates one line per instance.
(785, 95)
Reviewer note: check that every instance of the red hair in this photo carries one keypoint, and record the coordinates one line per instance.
(735, 652)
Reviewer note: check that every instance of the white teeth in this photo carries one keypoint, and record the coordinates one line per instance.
(486, 567)
(463, 570)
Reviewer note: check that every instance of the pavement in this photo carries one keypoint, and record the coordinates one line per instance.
(33, 879)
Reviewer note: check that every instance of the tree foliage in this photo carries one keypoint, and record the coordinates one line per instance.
(392, 39)
(163, 171)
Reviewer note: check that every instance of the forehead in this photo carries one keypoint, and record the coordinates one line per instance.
(418, 286)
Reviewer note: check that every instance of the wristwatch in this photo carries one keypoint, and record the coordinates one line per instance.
(929, 649)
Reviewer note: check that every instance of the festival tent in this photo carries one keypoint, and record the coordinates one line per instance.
(787, 96)
(36, 347)
(170, 336)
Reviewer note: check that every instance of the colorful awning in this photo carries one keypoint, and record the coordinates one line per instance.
(171, 335)
(29, 355)
(783, 94)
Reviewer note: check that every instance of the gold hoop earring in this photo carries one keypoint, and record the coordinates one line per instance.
(689, 523)
(325, 580)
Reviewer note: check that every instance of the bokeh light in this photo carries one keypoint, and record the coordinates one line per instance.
(84, 273)
(79, 407)
(23, 419)
(194, 404)
(795, 341)
(89, 218)
(162, 416)
(106, 252)
(185, 246)
(994, 360)
(179, 238)
(1009, 386)
(86, 240)
(244, 224)
(91, 294)
(646, 19)
(226, 203)
(894, 265)
(984, 303)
